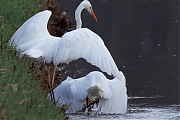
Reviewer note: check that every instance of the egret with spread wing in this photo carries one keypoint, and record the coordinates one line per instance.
(111, 93)
(34, 39)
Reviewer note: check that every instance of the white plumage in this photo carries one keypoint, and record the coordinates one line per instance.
(33, 39)
(112, 93)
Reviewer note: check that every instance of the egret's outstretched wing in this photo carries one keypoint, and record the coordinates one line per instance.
(83, 43)
(73, 92)
(113, 97)
(44, 48)
(80, 43)
(117, 104)
(33, 38)
(112, 93)
(33, 29)
(66, 93)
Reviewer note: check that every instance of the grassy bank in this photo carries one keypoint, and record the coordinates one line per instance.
(21, 96)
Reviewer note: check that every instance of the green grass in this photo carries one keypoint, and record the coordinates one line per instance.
(21, 96)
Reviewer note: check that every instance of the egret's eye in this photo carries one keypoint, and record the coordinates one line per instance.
(90, 8)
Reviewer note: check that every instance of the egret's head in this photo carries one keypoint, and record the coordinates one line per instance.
(95, 90)
(87, 5)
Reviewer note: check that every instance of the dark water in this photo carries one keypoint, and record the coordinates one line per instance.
(143, 38)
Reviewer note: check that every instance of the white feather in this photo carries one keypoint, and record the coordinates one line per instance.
(34, 28)
(80, 43)
(118, 102)
(34, 53)
(112, 93)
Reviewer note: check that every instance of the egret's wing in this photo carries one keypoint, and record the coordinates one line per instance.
(34, 29)
(44, 48)
(118, 101)
(98, 79)
(33, 53)
(33, 38)
(83, 43)
(71, 91)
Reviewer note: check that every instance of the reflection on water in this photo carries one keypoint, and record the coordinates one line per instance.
(143, 38)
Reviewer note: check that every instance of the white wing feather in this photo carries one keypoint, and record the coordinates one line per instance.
(71, 91)
(34, 28)
(113, 98)
(64, 95)
(117, 104)
(81, 43)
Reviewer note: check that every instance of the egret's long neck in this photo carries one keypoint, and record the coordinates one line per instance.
(78, 16)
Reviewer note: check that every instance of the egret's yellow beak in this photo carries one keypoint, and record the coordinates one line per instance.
(94, 16)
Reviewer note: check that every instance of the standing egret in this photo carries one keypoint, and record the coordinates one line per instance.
(33, 39)
(111, 93)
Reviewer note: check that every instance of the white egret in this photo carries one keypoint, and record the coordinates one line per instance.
(111, 93)
(34, 39)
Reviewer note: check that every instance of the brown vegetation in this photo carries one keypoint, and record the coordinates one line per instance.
(58, 23)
